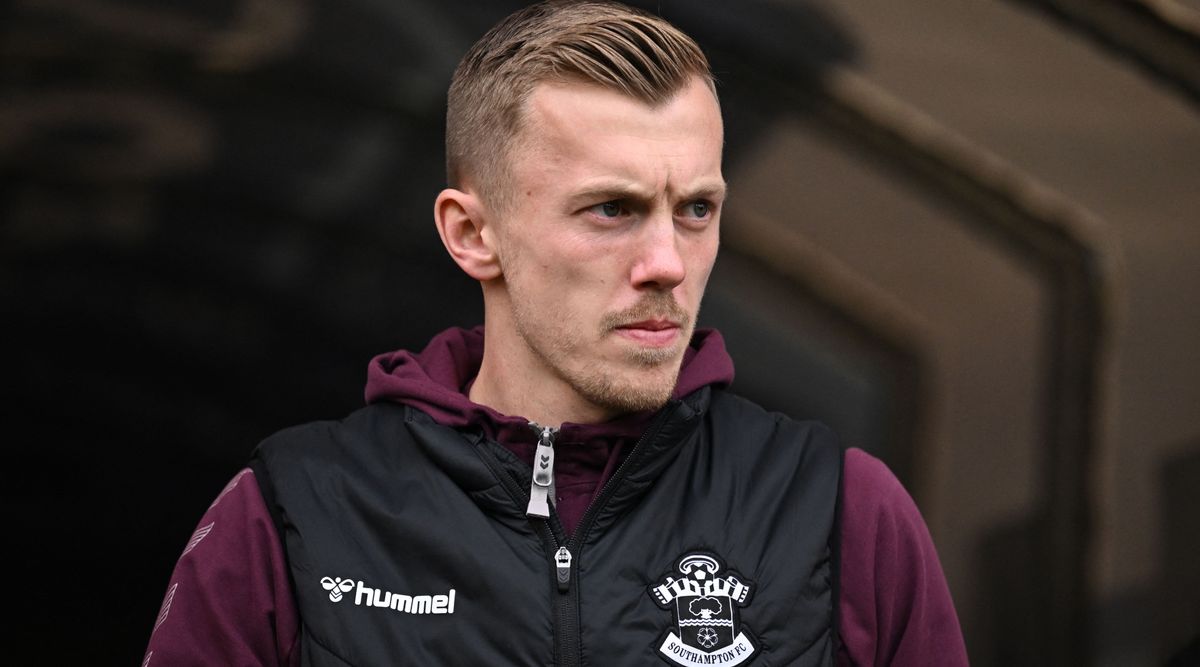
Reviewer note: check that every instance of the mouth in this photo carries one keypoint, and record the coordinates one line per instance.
(652, 332)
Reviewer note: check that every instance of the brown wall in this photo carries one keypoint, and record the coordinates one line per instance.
(962, 233)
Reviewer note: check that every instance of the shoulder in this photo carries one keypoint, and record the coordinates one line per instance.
(895, 607)
(333, 440)
(752, 422)
(880, 520)
(204, 620)
(777, 450)
(871, 490)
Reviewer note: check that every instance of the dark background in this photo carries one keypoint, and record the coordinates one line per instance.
(964, 234)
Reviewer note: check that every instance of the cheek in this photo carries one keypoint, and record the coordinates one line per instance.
(589, 260)
(701, 256)
(558, 282)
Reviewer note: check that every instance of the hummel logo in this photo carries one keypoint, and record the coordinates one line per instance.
(545, 461)
(336, 587)
(365, 596)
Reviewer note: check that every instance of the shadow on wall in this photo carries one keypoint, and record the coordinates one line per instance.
(1179, 589)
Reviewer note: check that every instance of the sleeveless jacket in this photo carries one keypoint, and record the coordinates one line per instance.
(714, 543)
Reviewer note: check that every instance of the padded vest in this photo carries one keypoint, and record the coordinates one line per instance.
(408, 544)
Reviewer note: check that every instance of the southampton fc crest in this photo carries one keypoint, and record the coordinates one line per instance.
(706, 599)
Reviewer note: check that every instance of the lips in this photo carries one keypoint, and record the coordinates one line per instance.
(653, 333)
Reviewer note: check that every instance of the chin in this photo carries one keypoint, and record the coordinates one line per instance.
(653, 359)
(639, 398)
(644, 387)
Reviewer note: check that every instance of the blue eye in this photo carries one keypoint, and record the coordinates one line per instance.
(697, 210)
(609, 209)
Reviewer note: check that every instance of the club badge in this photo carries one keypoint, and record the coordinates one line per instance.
(705, 599)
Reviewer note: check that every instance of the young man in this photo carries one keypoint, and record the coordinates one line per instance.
(570, 483)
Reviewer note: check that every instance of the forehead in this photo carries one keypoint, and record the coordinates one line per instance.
(551, 101)
(577, 130)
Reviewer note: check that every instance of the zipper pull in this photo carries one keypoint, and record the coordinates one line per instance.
(562, 568)
(541, 490)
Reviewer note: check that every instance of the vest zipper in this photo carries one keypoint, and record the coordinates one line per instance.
(601, 499)
(568, 643)
(562, 569)
(564, 558)
(561, 562)
(541, 486)
(567, 646)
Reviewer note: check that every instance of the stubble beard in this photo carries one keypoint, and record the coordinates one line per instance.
(611, 385)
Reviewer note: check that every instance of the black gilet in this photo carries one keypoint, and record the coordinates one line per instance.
(714, 543)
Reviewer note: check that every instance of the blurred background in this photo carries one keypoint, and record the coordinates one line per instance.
(964, 233)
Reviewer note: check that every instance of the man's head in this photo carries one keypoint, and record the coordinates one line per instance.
(606, 44)
(584, 146)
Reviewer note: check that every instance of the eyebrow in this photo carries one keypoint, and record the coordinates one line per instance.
(709, 191)
(631, 192)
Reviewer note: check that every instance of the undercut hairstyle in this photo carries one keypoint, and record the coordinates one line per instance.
(600, 43)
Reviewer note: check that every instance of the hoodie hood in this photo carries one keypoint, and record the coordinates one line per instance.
(437, 380)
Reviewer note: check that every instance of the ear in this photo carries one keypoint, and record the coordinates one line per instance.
(464, 225)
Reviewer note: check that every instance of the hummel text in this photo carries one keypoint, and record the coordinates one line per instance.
(409, 604)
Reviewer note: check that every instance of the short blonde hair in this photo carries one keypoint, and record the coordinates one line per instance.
(601, 43)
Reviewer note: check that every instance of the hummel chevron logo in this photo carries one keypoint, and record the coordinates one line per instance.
(200, 534)
(365, 596)
(166, 606)
(336, 587)
(229, 487)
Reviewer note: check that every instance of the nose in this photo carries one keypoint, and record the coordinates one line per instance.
(659, 263)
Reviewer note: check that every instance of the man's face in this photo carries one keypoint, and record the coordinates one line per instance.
(609, 240)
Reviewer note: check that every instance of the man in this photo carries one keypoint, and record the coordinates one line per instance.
(570, 483)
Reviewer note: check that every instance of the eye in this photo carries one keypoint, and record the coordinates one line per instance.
(609, 209)
(697, 210)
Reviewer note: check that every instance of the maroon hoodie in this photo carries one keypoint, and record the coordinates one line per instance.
(229, 601)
